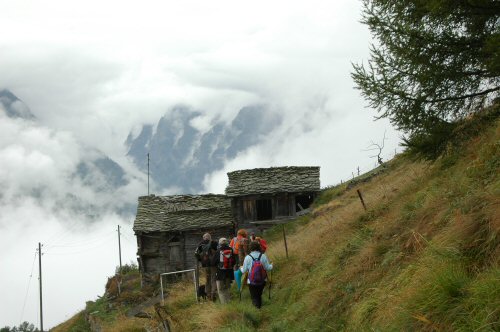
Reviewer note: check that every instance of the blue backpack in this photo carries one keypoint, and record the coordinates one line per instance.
(257, 275)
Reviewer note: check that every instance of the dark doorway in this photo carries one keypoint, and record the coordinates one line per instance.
(282, 203)
(248, 209)
(302, 202)
(264, 209)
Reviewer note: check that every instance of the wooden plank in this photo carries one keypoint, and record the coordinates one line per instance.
(303, 212)
(273, 222)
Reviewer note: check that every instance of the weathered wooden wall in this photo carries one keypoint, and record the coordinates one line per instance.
(161, 252)
(283, 206)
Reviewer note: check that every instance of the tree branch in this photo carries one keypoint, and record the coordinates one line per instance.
(472, 95)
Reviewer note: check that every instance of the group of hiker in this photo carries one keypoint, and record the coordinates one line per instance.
(241, 258)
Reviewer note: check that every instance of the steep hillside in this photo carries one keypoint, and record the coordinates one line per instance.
(425, 255)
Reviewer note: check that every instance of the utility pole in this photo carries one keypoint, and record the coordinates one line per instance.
(148, 173)
(40, 280)
(118, 275)
(119, 248)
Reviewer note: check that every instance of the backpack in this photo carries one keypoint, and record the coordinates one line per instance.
(226, 259)
(234, 245)
(205, 254)
(257, 275)
(242, 246)
(263, 245)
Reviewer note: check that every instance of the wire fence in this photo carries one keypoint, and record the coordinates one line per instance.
(363, 169)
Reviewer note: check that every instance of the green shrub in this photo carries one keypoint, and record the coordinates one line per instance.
(128, 268)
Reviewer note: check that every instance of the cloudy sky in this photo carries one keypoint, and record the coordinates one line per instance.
(92, 72)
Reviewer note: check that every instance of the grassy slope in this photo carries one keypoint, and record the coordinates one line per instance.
(426, 255)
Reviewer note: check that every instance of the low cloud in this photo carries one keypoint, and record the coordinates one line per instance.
(43, 163)
(43, 199)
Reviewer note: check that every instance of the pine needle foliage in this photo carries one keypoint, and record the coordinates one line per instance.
(434, 61)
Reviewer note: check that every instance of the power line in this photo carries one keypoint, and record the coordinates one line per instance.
(84, 245)
(28, 288)
(83, 249)
(128, 236)
(62, 233)
(80, 243)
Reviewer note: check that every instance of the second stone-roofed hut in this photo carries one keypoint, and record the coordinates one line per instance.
(262, 197)
(168, 229)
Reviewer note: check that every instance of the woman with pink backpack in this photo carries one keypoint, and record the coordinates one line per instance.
(256, 264)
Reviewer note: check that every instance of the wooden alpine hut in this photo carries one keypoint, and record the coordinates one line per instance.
(169, 228)
(263, 197)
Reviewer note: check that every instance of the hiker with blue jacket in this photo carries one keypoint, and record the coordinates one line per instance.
(256, 264)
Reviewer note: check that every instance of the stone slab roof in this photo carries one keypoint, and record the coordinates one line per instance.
(182, 212)
(273, 180)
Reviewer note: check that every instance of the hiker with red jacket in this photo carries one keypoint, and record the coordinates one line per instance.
(225, 260)
(256, 264)
(205, 253)
(240, 246)
(263, 244)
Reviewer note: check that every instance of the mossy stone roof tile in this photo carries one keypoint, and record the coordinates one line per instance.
(182, 212)
(273, 180)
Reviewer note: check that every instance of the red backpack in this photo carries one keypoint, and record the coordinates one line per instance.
(257, 275)
(226, 259)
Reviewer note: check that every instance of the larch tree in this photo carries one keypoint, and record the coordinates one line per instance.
(432, 62)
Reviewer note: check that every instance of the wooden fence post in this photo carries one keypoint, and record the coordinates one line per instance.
(284, 239)
(361, 199)
(197, 279)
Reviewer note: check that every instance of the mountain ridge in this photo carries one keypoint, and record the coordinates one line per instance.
(182, 155)
(14, 107)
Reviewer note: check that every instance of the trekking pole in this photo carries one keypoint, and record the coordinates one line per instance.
(270, 284)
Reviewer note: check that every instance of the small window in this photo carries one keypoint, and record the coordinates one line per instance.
(264, 209)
